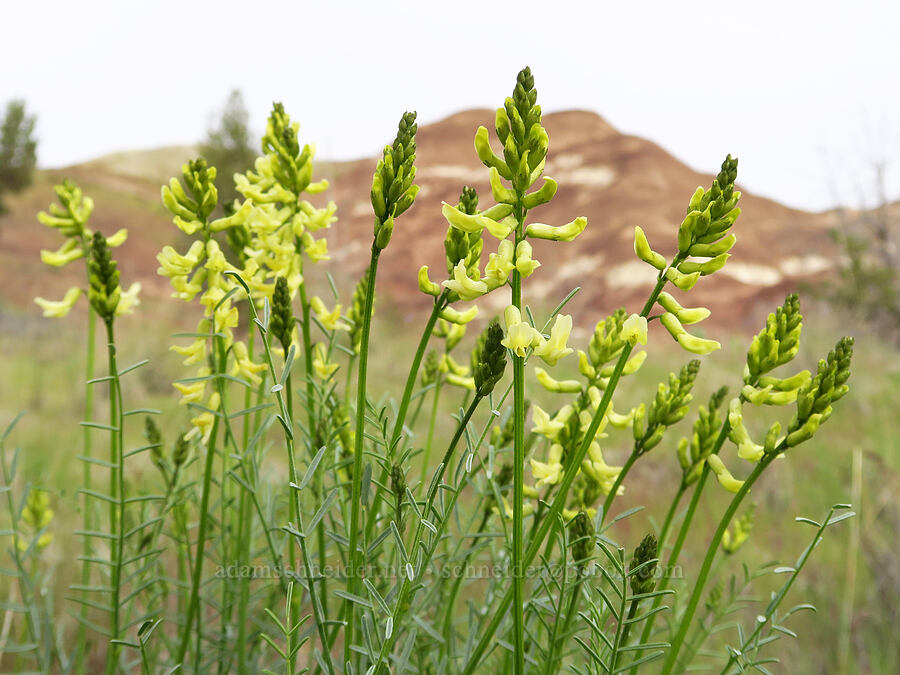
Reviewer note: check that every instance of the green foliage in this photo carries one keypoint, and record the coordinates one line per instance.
(18, 149)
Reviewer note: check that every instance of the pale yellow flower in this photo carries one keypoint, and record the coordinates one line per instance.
(520, 335)
(555, 348)
(466, 288)
(59, 308)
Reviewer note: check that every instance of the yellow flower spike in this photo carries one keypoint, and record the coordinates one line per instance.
(634, 364)
(128, 300)
(747, 449)
(243, 365)
(487, 156)
(187, 289)
(117, 238)
(316, 249)
(172, 264)
(685, 316)
(501, 193)
(191, 392)
(549, 472)
(566, 232)
(65, 254)
(556, 386)
(239, 217)
(691, 343)
(597, 469)
(562, 417)
(471, 224)
(330, 320)
(460, 381)
(226, 317)
(643, 251)
(585, 367)
(543, 424)
(323, 368)
(552, 350)
(520, 335)
(448, 364)
(426, 285)
(189, 227)
(766, 395)
(726, 480)
(634, 329)
(524, 262)
(683, 281)
(466, 288)
(457, 317)
(620, 421)
(59, 308)
(543, 195)
(195, 352)
(704, 268)
(215, 262)
(500, 264)
(527, 509)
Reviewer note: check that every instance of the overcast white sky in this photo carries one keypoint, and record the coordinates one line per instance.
(805, 93)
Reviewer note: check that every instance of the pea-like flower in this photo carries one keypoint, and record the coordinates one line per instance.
(520, 335)
(465, 287)
(59, 308)
(555, 348)
(331, 320)
(524, 262)
(727, 481)
(544, 424)
(634, 330)
(324, 369)
(549, 472)
(566, 232)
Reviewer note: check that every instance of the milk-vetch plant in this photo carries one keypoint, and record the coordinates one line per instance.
(366, 511)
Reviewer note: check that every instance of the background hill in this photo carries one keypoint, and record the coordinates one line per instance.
(616, 180)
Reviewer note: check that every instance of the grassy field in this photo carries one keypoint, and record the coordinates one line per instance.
(854, 576)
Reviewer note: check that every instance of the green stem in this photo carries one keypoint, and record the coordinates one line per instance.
(432, 422)
(571, 472)
(518, 505)
(197, 572)
(358, 452)
(86, 481)
(684, 624)
(623, 641)
(402, 604)
(245, 530)
(397, 432)
(571, 608)
(310, 386)
(117, 493)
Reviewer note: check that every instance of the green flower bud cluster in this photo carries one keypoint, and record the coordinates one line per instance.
(742, 526)
(281, 323)
(430, 367)
(398, 481)
(356, 309)
(693, 453)
(816, 397)
(581, 537)
(525, 141)
(465, 246)
(711, 213)
(191, 207)
(104, 291)
(643, 581)
(606, 343)
(238, 238)
(668, 407)
(502, 435)
(492, 360)
(291, 167)
(393, 191)
(154, 440)
(778, 343)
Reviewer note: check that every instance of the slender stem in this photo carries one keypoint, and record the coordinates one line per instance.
(684, 624)
(439, 304)
(244, 526)
(571, 608)
(356, 483)
(518, 505)
(310, 387)
(402, 604)
(623, 642)
(117, 493)
(86, 481)
(571, 472)
(432, 422)
(197, 572)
